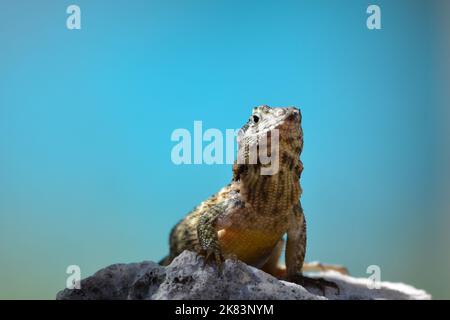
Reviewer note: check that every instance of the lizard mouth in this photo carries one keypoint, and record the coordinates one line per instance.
(293, 115)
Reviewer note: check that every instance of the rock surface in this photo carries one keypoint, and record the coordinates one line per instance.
(187, 278)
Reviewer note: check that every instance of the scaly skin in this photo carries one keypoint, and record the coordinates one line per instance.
(248, 218)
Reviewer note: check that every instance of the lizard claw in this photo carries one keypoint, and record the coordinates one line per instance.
(214, 256)
(319, 283)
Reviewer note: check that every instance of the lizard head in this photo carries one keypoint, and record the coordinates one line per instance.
(268, 128)
(264, 119)
(268, 166)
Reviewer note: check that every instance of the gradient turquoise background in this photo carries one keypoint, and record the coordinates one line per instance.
(86, 117)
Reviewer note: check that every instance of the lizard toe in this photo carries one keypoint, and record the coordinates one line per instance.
(214, 256)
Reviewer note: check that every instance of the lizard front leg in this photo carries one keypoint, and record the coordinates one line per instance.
(207, 234)
(295, 252)
(296, 242)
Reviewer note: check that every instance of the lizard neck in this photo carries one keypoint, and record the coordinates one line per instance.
(270, 194)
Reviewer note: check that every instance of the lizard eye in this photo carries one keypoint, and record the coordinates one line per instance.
(255, 118)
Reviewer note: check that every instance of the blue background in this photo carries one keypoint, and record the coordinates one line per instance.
(86, 118)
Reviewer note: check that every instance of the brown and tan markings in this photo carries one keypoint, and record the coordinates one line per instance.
(249, 217)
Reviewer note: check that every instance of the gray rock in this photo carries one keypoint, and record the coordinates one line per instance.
(187, 278)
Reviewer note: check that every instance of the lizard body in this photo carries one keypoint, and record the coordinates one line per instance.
(249, 217)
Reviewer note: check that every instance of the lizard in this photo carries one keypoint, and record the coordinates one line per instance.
(249, 218)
